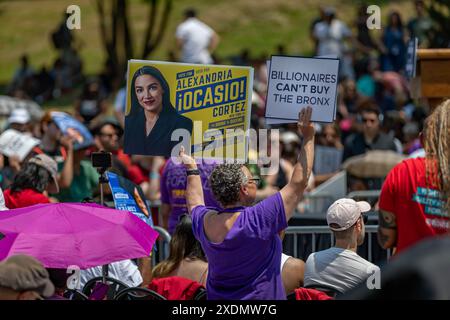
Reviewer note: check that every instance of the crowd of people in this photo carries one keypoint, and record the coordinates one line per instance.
(227, 221)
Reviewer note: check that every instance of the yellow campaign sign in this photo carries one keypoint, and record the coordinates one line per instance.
(204, 107)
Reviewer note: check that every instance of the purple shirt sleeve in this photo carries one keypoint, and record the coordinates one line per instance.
(197, 215)
(267, 217)
(165, 197)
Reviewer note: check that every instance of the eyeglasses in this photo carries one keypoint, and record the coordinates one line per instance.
(364, 217)
(365, 120)
(109, 135)
(331, 135)
(256, 181)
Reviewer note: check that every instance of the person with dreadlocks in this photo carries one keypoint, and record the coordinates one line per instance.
(415, 198)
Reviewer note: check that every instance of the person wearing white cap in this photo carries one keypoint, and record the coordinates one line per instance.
(340, 268)
(19, 120)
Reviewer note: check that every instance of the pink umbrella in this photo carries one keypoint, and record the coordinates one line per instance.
(64, 234)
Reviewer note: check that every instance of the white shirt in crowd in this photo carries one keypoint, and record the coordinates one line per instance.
(284, 258)
(196, 37)
(331, 37)
(125, 271)
(338, 269)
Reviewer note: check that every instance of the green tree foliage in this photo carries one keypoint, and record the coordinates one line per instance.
(116, 32)
(439, 11)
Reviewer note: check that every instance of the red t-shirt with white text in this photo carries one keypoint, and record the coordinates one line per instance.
(417, 206)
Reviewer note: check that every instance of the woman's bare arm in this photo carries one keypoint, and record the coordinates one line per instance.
(194, 189)
(293, 191)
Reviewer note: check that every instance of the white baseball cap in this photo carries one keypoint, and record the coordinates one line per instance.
(289, 137)
(345, 212)
(20, 116)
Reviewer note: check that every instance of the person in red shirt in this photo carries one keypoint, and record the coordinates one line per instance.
(38, 175)
(415, 197)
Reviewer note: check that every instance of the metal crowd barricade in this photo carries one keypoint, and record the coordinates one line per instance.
(315, 203)
(319, 199)
(162, 246)
(327, 235)
(370, 196)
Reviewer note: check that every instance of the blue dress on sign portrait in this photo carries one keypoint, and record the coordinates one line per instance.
(158, 142)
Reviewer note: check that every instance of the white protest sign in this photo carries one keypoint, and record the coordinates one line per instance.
(411, 58)
(296, 82)
(279, 121)
(270, 121)
(15, 143)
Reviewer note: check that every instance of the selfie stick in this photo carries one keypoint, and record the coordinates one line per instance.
(103, 178)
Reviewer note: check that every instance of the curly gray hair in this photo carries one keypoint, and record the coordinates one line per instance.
(226, 181)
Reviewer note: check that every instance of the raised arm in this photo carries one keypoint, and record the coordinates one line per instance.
(194, 189)
(293, 191)
(66, 176)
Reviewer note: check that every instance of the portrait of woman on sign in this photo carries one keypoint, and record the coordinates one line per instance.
(152, 117)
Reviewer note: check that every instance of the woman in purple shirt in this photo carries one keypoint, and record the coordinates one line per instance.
(241, 241)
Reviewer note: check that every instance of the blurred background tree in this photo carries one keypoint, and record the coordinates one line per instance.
(118, 38)
(439, 11)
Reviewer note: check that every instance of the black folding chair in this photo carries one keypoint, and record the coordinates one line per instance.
(201, 294)
(291, 296)
(138, 293)
(114, 286)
